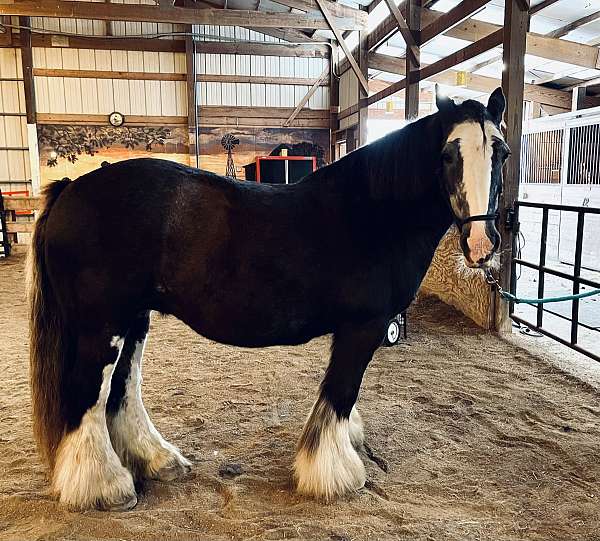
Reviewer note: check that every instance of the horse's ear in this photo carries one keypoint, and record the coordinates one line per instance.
(443, 102)
(496, 105)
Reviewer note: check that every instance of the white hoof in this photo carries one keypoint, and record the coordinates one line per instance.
(327, 465)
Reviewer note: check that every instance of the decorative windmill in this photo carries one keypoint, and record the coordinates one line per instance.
(229, 141)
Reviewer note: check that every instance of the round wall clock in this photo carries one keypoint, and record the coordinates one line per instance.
(116, 119)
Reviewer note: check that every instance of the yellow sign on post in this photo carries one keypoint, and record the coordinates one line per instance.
(461, 78)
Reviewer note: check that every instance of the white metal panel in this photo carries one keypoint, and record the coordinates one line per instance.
(287, 96)
(121, 96)
(243, 97)
(258, 95)
(228, 94)
(106, 102)
(87, 60)
(181, 98)
(137, 98)
(89, 93)
(153, 98)
(42, 94)
(272, 98)
(242, 64)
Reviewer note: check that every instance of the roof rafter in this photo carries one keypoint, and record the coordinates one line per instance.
(174, 14)
(564, 30)
(481, 83)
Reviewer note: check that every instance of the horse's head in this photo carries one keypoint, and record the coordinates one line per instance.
(473, 153)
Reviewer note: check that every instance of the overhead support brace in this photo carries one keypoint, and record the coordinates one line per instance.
(342, 42)
(307, 96)
(407, 34)
(447, 20)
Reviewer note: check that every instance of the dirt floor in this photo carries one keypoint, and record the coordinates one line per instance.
(470, 438)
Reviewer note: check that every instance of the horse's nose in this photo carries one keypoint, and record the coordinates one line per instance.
(480, 245)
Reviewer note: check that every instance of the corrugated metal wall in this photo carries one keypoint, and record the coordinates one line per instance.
(255, 95)
(14, 156)
(70, 95)
(165, 98)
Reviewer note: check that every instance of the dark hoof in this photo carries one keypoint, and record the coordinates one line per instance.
(125, 505)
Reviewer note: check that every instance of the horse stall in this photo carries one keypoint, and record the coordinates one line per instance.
(203, 259)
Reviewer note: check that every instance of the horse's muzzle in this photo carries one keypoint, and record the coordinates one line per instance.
(479, 241)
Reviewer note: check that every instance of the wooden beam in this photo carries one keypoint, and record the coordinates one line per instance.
(192, 98)
(286, 34)
(94, 74)
(564, 30)
(516, 23)
(334, 100)
(130, 120)
(266, 49)
(173, 14)
(578, 98)
(210, 116)
(413, 62)
(339, 11)
(481, 83)
(103, 43)
(523, 5)
(343, 45)
(27, 64)
(363, 113)
(178, 46)
(579, 54)
(153, 76)
(447, 20)
(464, 54)
(407, 33)
(537, 44)
(307, 96)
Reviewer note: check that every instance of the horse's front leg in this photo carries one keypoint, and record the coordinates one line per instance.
(327, 464)
(134, 437)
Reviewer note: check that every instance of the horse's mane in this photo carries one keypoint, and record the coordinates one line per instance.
(400, 166)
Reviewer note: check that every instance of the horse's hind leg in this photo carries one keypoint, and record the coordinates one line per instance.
(327, 464)
(87, 471)
(141, 447)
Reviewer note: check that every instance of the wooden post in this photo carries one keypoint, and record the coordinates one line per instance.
(192, 85)
(30, 105)
(363, 111)
(578, 98)
(334, 101)
(516, 22)
(411, 93)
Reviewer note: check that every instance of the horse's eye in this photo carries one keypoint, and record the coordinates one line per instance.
(447, 157)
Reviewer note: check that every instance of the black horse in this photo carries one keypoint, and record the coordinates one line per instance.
(245, 264)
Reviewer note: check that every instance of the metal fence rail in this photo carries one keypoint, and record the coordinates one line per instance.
(544, 270)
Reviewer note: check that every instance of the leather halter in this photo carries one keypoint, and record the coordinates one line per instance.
(477, 218)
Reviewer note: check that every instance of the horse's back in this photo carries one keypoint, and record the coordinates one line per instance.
(106, 234)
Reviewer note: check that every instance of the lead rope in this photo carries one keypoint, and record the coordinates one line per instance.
(509, 297)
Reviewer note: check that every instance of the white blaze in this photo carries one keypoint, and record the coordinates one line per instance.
(476, 153)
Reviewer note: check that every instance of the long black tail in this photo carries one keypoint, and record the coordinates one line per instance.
(48, 339)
